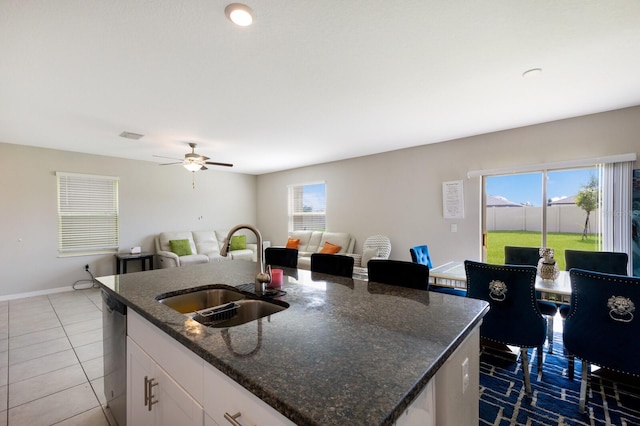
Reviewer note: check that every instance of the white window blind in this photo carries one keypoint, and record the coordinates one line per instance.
(87, 214)
(307, 207)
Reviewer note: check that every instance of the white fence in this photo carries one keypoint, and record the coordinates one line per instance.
(569, 218)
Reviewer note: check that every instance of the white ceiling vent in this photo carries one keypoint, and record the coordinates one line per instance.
(131, 135)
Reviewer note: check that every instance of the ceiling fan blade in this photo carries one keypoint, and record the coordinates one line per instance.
(203, 158)
(203, 168)
(170, 158)
(213, 163)
(170, 164)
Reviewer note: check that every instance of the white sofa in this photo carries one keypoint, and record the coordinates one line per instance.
(205, 248)
(313, 241)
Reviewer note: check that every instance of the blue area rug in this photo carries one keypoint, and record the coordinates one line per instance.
(611, 400)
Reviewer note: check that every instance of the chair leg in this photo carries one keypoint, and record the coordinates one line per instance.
(570, 366)
(525, 371)
(583, 386)
(540, 359)
(550, 333)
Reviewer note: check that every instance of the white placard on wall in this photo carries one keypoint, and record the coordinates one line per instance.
(453, 200)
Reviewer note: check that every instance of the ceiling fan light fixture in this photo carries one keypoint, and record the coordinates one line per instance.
(240, 14)
(192, 166)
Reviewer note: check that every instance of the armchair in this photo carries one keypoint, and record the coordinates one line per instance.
(603, 305)
(513, 318)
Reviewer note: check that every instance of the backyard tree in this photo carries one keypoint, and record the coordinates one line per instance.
(588, 200)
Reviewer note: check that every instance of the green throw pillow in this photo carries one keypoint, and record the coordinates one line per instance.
(180, 247)
(238, 242)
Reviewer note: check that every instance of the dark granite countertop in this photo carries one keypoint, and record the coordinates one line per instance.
(344, 352)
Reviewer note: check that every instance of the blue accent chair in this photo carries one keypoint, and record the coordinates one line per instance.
(603, 307)
(514, 317)
(607, 262)
(333, 264)
(514, 255)
(420, 255)
(400, 273)
(281, 256)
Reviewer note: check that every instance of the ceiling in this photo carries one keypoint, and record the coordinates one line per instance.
(311, 81)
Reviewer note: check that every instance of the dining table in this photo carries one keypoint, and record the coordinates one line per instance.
(452, 274)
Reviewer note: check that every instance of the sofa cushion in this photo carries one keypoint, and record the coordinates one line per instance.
(304, 237)
(336, 238)
(193, 259)
(180, 247)
(165, 237)
(329, 248)
(238, 242)
(206, 243)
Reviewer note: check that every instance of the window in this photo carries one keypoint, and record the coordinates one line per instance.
(87, 214)
(307, 207)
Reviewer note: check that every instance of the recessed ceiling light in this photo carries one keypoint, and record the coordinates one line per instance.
(239, 14)
(533, 72)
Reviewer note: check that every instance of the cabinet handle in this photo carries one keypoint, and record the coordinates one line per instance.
(148, 394)
(232, 419)
(146, 391)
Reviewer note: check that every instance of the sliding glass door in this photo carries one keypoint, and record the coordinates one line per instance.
(559, 209)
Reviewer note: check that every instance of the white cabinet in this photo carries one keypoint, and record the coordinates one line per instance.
(421, 412)
(153, 397)
(224, 396)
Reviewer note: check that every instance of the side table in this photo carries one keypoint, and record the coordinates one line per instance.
(123, 258)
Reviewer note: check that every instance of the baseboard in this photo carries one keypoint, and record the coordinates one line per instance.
(36, 293)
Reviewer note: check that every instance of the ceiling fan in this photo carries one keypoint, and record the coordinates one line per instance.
(194, 162)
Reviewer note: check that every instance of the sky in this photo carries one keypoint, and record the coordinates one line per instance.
(527, 188)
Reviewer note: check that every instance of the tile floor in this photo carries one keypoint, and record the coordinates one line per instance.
(51, 369)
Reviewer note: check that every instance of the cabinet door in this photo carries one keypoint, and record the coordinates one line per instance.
(175, 406)
(139, 367)
(154, 398)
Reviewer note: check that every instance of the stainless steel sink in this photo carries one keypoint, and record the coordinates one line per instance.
(201, 299)
(221, 307)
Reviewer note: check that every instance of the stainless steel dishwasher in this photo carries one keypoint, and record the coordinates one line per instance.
(114, 348)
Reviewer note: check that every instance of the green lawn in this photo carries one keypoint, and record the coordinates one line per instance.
(560, 241)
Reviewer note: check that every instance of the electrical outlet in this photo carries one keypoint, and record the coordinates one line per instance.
(465, 374)
(86, 267)
(454, 227)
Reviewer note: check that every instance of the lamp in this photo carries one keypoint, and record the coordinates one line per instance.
(239, 14)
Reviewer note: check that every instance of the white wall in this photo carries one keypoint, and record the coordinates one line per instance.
(152, 199)
(399, 193)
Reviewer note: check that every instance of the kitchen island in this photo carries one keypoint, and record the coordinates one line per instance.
(343, 352)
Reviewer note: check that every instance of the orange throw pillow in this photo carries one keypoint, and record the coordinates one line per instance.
(329, 248)
(293, 243)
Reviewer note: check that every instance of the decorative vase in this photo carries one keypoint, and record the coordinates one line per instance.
(547, 266)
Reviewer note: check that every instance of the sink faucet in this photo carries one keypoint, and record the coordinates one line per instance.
(262, 277)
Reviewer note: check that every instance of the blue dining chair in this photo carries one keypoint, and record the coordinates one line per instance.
(514, 317)
(608, 262)
(603, 306)
(420, 255)
(515, 255)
